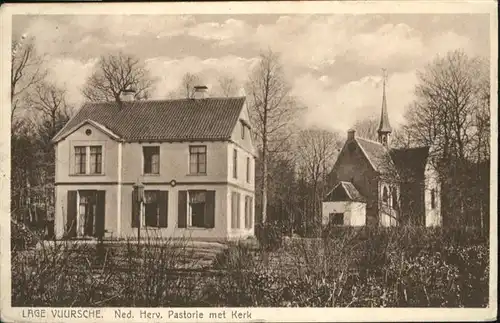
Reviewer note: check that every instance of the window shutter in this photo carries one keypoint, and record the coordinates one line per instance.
(238, 213)
(163, 208)
(233, 210)
(100, 207)
(182, 210)
(71, 214)
(135, 210)
(210, 209)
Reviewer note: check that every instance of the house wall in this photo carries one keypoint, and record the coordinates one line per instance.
(174, 163)
(110, 210)
(354, 212)
(123, 166)
(65, 157)
(219, 231)
(352, 166)
(432, 215)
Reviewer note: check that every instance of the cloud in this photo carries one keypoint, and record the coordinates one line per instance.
(339, 108)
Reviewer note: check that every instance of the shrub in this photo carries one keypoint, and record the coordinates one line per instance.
(21, 237)
(269, 235)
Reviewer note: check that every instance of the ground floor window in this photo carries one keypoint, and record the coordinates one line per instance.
(151, 209)
(235, 210)
(337, 218)
(248, 212)
(197, 201)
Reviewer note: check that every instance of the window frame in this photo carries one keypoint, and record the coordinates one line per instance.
(235, 163)
(78, 165)
(198, 162)
(150, 158)
(248, 169)
(99, 154)
(333, 217)
(433, 199)
(243, 130)
(189, 222)
(144, 221)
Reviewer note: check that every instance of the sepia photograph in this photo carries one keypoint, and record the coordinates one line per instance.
(158, 164)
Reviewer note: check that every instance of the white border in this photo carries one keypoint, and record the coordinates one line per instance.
(258, 314)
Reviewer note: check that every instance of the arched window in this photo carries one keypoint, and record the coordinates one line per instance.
(385, 195)
(395, 198)
(433, 198)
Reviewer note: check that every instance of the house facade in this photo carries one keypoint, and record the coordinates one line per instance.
(194, 157)
(376, 184)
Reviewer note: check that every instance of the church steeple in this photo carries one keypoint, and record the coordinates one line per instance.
(384, 128)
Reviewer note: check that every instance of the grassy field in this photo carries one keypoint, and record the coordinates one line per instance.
(397, 267)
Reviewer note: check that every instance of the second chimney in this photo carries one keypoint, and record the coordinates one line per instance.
(351, 133)
(200, 92)
(127, 95)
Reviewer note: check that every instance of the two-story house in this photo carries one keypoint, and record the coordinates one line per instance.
(195, 158)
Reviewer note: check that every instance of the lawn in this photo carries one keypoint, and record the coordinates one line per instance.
(397, 267)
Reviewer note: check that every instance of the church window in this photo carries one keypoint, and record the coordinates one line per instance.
(433, 198)
(385, 195)
(394, 198)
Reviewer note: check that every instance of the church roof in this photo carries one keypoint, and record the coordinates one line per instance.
(345, 191)
(377, 154)
(410, 162)
(384, 125)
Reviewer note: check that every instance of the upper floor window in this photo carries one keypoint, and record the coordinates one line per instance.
(433, 198)
(243, 130)
(95, 159)
(151, 159)
(80, 159)
(248, 169)
(235, 163)
(88, 160)
(197, 160)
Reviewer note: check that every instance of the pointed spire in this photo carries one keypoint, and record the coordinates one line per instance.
(384, 126)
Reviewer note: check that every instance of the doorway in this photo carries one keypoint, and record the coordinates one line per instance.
(90, 220)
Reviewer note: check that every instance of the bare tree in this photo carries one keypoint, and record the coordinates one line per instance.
(26, 71)
(451, 94)
(367, 128)
(116, 73)
(228, 86)
(50, 101)
(272, 110)
(189, 81)
(316, 154)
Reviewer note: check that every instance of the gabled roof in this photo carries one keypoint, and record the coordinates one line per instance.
(68, 131)
(163, 120)
(345, 191)
(410, 162)
(377, 154)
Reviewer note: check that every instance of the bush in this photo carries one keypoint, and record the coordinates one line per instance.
(21, 237)
(269, 235)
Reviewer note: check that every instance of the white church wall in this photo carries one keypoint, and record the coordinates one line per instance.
(354, 212)
(432, 203)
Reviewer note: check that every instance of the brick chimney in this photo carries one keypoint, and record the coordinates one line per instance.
(127, 95)
(351, 134)
(200, 92)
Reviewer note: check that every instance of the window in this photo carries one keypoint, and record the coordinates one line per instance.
(80, 160)
(248, 169)
(248, 212)
(151, 209)
(151, 160)
(197, 160)
(95, 159)
(197, 201)
(385, 195)
(235, 210)
(235, 163)
(433, 198)
(243, 130)
(337, 218)
(394, 199)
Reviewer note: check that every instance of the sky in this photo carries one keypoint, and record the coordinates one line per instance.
(333, 62)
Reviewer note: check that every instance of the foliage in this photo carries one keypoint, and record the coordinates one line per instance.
(369, 267)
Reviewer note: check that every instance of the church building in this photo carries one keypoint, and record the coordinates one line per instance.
(376, 184)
